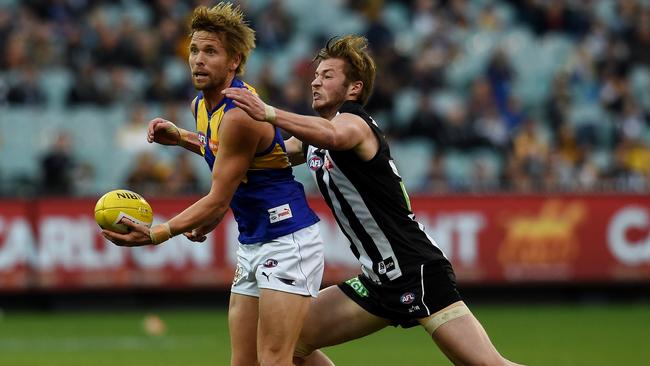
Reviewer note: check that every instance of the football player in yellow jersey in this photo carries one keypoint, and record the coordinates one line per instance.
(280, 256)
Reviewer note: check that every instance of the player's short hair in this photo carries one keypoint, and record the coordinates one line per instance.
(353, 50)
(228, 23)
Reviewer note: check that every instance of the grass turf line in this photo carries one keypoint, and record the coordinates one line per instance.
(535, 335)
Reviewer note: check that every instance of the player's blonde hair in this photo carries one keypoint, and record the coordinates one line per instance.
(359, 66)
(228, 23)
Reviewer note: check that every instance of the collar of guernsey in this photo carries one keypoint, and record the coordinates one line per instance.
(269, 202)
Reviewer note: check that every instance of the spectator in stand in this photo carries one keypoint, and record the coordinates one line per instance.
(293, 96)
(640, 38)
(184, 181)
(529, 157)
(161, 90)
(621, 174)
(274, 27)
(491, 129)
(131, 137)
(436, 181)
(559, 101)
(86, 88)
(57, 167)
(457, 132)
(500, 75)
(148, 175)
(632, 123)
(587, 173)
(26, 90)
(566, 144)
(5, 31)
(614, 87)
(600, 59)
(123, 88)
(425, 123)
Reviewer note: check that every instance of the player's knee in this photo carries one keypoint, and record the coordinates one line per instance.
(275, 355)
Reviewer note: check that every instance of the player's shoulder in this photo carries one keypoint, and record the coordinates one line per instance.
(237, 120)
(237, 115)
(248, 86)
(351, 110)
(350, 120)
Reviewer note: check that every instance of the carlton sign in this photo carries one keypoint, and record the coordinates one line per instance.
(489, 239)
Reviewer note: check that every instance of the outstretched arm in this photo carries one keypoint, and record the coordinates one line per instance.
(238, 139)
(346, 131)
(167, 133)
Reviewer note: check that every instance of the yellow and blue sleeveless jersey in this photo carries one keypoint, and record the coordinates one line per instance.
(269, 202)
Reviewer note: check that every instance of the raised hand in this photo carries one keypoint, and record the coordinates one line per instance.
(247, 101)
(138, 235)
(163, 132)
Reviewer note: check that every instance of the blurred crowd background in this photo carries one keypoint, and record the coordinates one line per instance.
(474, 96)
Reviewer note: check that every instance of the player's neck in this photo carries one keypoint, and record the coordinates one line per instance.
(328, 115)
(213, 96)
(330, 112)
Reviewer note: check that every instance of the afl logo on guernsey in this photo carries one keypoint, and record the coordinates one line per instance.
(407, 298)
(270, 263)
(202, 138)
(315, 162)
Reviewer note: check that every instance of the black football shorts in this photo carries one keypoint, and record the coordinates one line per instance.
(418, 294)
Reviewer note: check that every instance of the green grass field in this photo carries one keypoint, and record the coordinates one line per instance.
(553, 335)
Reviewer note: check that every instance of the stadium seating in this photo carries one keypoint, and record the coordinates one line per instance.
(466, 38)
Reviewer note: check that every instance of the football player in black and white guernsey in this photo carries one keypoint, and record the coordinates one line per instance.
(405, 278)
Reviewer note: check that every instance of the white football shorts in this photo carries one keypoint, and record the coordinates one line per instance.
(292, 263)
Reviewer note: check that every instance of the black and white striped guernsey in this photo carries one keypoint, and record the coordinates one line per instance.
(371, 206)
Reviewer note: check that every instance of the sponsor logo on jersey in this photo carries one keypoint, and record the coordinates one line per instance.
(386, 265)
(357, 286)
(414, 308)
(277, 214)
(315, 162)
(270, 263)
(267, 275)
(407, 298)
(381, 268)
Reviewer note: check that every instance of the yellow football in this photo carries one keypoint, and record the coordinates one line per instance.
(118, 204)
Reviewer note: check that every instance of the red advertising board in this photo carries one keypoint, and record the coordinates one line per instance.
(16, 240)
(53, 243)
(542, 238)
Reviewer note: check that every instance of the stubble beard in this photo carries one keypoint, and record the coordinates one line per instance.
(211, 84)
(327, 109)
(322, 109)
